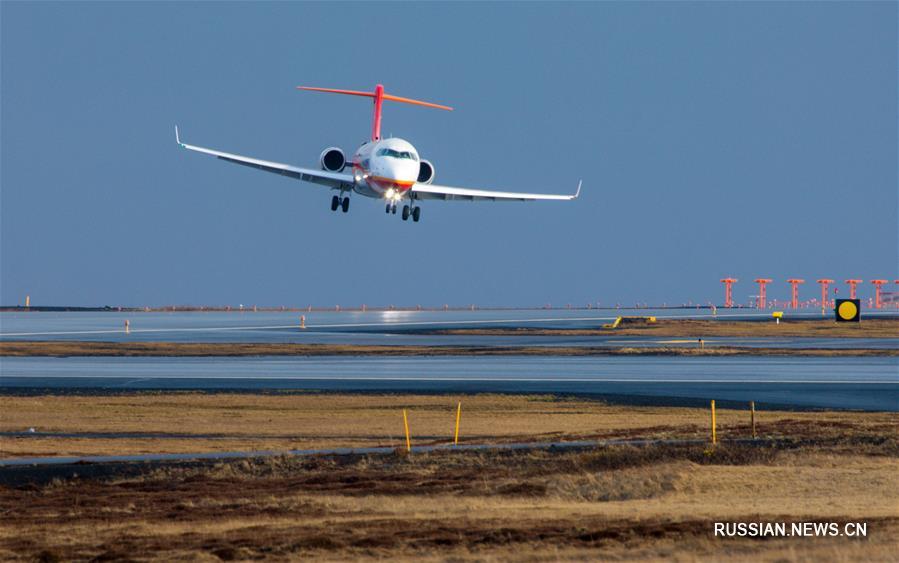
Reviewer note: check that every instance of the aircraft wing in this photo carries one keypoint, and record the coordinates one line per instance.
(330, 179)
(431, 191)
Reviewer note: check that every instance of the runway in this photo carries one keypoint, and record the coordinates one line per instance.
(870, 383)
(388, 328)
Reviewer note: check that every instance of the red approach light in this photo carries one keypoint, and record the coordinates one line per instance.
(852, 285)
(728, 291)
(794, 292)
(825, 284)
(763, 291)
(878, 296)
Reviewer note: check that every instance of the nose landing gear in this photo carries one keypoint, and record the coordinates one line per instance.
(409, 209)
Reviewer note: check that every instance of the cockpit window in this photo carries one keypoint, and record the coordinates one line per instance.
(397, 154)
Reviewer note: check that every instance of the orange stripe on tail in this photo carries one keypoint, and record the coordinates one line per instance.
(379, 95)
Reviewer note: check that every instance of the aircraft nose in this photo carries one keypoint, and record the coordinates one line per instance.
(404, 171)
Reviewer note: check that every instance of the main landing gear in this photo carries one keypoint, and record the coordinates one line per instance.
(342, 202)
(414, 212)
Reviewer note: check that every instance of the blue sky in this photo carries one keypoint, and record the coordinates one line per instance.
(714, 139)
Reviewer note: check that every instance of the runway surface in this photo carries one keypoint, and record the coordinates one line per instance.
(386, 328)
(870, 383)
(861, 382)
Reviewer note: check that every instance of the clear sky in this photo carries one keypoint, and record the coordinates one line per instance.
(714, 139)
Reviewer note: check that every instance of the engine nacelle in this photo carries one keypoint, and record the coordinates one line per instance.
(425, 172)
(332, 159)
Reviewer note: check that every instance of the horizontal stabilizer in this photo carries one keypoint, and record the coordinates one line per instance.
(384, 96)
(378, 97)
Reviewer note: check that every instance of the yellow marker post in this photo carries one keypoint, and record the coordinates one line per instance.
(752, 417)
(777, 316)
(302, 321)
(458, 418)
(27, 301)
(714, 435)
(406, 425)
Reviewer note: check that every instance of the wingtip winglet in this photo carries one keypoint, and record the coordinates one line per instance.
(177, 136)
(578, 192)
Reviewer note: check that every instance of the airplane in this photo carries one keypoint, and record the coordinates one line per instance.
(388, 169)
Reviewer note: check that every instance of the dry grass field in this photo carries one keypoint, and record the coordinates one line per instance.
(173, 422)
(650, 502)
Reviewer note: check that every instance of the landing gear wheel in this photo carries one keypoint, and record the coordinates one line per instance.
(346, 204)
(405, 212)
(335, 202)
(393, 209)
(416, 214)
(387, 209)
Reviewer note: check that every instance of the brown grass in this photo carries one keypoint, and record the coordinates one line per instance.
(248, 421)
(622, 502)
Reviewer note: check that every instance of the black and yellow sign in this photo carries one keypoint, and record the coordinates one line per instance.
(847, 310)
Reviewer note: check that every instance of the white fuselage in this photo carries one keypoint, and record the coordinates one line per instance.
(386, 168)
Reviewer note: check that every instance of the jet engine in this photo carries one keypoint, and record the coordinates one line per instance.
(425, 172)
(332, 159)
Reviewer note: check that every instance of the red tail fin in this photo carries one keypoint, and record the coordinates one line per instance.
(379, 96)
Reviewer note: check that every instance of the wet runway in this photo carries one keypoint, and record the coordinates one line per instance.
(870, 383)
(238, 326)
(386, 328)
